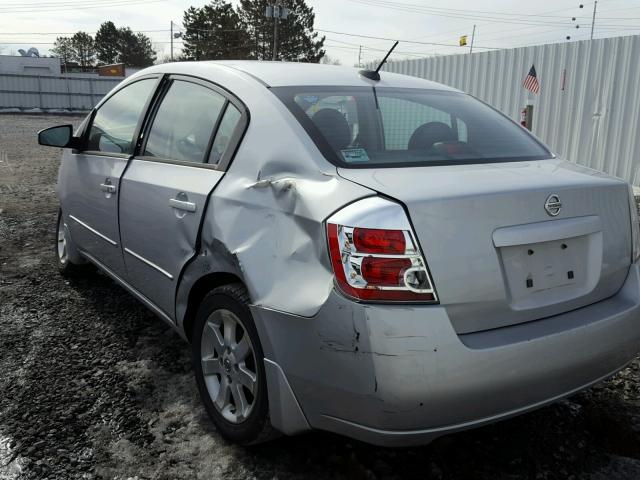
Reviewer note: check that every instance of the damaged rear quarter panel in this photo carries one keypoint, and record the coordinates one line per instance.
(264, 220)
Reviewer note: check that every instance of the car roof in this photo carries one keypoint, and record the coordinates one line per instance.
(282, 74)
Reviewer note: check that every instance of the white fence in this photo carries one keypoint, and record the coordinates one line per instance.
(48, 92)
(588, 109)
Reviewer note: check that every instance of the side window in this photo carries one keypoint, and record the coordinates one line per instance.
(184, 123)
(225, 131)
(401, 118)
(115, 122)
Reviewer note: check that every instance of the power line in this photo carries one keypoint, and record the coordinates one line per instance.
(400, 40)
(457, 10)
(355, 48)
(62, 3)
(72, 33)
(620, 9)
(412, 8)
(487, 31)
(466, 12)
(215, 30)
(2, 42)
(494, 38)
(519, 28)
(95, 5)
(343, 42)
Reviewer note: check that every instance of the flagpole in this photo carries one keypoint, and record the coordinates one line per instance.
(473, 35)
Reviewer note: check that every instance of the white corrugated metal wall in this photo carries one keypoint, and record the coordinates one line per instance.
(592, 117)
(49, 92)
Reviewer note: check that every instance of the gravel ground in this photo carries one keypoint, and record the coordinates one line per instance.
(93, 386)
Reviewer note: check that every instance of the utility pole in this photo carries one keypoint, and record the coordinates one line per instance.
(359, 56)
(276, 11)
(276, 20)
(473, 36)
(174, 35)
(593, 20)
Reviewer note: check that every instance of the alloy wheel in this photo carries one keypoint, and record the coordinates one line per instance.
(229, 365)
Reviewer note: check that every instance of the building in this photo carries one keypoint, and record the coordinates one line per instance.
(29, 65)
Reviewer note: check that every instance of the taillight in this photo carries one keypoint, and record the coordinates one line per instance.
(377, 264)
(384, 271)
(375, 240)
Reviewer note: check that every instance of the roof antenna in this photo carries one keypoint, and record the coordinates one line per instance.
(373, 74)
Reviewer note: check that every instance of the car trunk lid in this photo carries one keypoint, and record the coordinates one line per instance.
(497, 256)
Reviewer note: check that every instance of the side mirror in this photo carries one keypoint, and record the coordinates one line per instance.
(60, 136)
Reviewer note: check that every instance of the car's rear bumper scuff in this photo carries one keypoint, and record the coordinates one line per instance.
(401, 375)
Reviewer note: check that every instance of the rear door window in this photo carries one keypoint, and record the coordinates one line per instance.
(184, 123)
(224, 135)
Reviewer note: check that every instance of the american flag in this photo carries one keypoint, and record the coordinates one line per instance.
(531, 82)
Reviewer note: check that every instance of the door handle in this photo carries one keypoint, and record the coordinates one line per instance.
(182, 205)
(107, 187)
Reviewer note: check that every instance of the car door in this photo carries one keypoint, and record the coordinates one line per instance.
(90, 177)
(189, 139)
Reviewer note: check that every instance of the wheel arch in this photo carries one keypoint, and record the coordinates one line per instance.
(73, 253)
(198, 279)
(197, 291)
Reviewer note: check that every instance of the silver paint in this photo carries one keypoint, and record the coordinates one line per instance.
(94, 231)
(151, 264)
(455, 211)
(387, 374)
(151, 226)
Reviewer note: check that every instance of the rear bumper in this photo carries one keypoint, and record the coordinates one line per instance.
(398, 375)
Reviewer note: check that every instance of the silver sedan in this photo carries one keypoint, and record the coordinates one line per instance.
(389, 259)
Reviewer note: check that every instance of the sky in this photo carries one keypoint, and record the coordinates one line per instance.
(423, 28)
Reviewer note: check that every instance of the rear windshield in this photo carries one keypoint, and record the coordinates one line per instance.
(386, 127)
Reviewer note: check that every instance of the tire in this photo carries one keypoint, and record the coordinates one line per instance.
(61, 250)
(225, 363)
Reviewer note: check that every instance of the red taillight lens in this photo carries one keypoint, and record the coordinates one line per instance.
(387, 272)
(378, 265)
(374, 240)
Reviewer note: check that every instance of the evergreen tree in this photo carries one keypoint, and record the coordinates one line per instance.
(297, 40)
(107, 40)
(214, 32)
(134, 49)
(112, 45)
